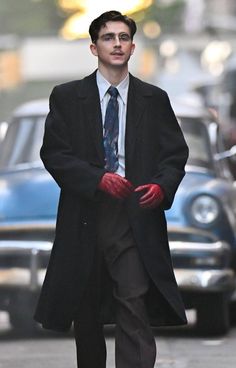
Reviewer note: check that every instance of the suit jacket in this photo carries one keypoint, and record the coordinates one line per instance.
(72, 151)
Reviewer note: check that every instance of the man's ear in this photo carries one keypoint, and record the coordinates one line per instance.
(93, 49)
(132, 48)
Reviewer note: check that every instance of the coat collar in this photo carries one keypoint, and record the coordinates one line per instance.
(137, 101)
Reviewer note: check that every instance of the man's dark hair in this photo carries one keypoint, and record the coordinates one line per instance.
(110, 16)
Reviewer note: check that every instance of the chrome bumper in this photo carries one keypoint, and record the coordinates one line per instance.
(189, 279)
(30, 277)
(204, 273)
(205, 280)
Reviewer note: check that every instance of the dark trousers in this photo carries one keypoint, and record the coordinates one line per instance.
(134, 342)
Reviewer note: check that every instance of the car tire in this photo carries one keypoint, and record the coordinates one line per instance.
(20, 311)
(213, 317)
(232, 312)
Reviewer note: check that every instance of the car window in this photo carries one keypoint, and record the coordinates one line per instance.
(196, 135)
(22, 142)
(223, 165)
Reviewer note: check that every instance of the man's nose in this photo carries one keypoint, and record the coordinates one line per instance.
(117, 42)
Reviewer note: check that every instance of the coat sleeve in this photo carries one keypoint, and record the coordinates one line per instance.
(173, 152)
(71, 173)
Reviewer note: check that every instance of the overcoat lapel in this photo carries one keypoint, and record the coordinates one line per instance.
(137, 103)
(90, 98)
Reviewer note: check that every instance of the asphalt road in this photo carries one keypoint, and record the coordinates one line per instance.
(177, 348)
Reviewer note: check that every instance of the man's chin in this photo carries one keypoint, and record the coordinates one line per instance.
(119, 63)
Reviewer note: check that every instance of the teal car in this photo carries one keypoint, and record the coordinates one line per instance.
(201, 222)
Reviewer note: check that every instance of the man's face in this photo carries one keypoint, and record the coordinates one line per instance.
(114, 45)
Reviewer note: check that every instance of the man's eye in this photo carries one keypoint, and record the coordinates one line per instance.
(108, 38)
(124, 37)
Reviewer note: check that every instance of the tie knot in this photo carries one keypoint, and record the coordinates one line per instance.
(113, 91)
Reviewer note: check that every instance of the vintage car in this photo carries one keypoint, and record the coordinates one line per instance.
(28, 205)
(201, 222)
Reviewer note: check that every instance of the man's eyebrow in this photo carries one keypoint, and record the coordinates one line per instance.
(113, 34)
(108, 34)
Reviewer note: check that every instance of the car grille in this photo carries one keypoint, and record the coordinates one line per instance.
(20, 247)
(23, 260)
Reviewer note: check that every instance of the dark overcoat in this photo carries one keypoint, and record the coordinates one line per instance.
(72, 151)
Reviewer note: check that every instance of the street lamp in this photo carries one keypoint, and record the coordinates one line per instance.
(86, 10)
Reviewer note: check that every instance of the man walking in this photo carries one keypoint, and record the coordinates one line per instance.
(114, 146)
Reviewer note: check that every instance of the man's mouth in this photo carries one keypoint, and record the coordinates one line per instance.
(117, 53)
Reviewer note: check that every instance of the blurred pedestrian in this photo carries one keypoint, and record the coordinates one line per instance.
(114, 146)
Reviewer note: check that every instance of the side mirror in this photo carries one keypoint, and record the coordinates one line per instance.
(226, 154)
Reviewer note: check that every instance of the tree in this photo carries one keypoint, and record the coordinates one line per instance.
(30, 17)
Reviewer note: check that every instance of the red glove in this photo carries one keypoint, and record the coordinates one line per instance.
(115, 185)
(152, 197)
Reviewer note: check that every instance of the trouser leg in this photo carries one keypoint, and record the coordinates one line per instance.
(88, 329)
(134, 341)
(90, 343)
(134, 344)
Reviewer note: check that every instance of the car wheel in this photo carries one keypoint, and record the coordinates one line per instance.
(213, 314)
(20, 311)
(232, 313)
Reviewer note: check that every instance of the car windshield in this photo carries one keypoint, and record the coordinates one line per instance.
(24, 138)
(196, 135)
(22, 142)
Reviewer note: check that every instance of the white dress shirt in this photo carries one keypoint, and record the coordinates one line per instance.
(122, 88)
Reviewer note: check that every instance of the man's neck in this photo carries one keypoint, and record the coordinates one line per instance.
(113, 75)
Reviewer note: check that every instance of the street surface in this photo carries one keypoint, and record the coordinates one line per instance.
(177, 348)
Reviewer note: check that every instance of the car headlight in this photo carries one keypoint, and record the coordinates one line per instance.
(205, 210)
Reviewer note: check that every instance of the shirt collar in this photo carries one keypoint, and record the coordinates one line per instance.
(103, 86)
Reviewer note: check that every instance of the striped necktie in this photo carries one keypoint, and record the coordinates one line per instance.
(111, 131)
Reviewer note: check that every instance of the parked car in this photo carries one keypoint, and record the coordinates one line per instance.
(28, 204)
(201, 222)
